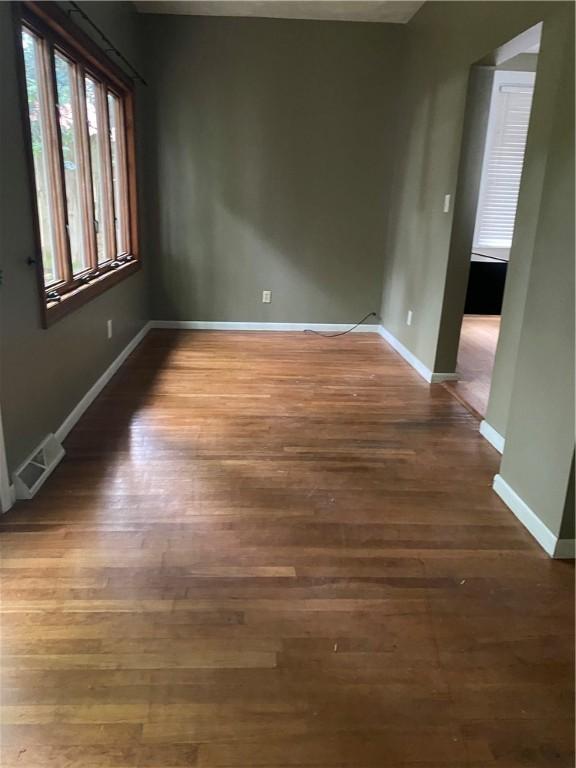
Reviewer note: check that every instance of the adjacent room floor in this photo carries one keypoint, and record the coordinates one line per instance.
(476, 353)
(279, 550)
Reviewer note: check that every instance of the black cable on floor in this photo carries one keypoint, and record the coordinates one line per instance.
(341, 333)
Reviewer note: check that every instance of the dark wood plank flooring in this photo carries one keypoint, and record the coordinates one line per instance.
(476, 354)
(278, 550)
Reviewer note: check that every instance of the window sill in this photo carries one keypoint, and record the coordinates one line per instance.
(54, 310)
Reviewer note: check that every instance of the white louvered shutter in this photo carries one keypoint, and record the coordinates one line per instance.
(503, 159)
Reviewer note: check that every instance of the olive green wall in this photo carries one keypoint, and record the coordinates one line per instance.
(556, 38)
(537, 461)
(465, 202)
(270, 166)
(444, 40)
(44, 373)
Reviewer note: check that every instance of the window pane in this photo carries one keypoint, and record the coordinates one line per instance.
(118, 171)
(508, 121)
(94, 138)
(68, 118)
(40, 147)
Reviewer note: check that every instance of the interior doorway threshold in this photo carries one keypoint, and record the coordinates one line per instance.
(450, 386)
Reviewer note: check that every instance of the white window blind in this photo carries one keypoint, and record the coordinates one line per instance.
(503, 158)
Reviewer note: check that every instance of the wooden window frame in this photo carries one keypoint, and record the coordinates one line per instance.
(59, 34)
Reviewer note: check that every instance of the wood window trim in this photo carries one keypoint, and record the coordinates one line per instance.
(84, 293)
(107, 184)
(52, 24)
(57, 190)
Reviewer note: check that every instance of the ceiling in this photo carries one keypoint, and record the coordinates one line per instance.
(389, 11)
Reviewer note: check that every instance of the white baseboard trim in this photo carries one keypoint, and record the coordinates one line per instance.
(438, 378)
(208, 325)
(96, 388)
(418, 365)
(494, 438)
(543, 535)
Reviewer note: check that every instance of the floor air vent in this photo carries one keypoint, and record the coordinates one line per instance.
(31, 474)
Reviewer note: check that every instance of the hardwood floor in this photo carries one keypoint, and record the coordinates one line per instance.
(278, 550)
(476, 353)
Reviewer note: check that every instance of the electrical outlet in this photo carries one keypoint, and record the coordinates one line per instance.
(447, 203)
(109, 328)
(409, 317)
(266, 297)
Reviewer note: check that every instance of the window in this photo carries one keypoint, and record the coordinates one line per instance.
(508, 120)
(79, 117)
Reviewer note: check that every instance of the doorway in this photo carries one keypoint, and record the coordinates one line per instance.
(502, 147)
